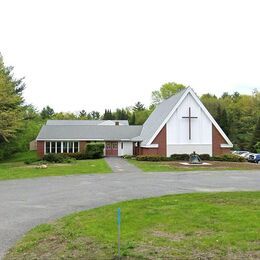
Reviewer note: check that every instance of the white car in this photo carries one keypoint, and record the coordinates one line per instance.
(244, 154)
(247, 156)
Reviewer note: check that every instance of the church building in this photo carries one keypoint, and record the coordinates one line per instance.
(179, 124)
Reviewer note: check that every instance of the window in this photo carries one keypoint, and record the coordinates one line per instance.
(70, 147)
(76, 147)
(65, 146)
(108, 146)
(122, 145)
(48, 149)
(58, 147)
(61, 147)
(114, 145)
(53, 147)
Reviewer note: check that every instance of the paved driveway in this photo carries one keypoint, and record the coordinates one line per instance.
(28, 202)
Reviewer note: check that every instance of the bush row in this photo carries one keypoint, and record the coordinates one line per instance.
(92, 151)
(185, 157)
(228, 158)
(57, 158)
(152, 158)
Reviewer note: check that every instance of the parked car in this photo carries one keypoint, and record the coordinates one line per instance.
(244, 154)
(239, 152)
(247, 156)
(254, 158)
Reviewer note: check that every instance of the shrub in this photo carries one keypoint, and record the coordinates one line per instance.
(180, 157)
(151, 158)
(77, 156)
(127, 156)
(95, 150)
(31, 160)
(228, 158)
(204, 157)
(55, 157)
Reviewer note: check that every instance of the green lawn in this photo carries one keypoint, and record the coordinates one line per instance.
(189, 226)
(172, 166)
(16, 169)
(23, 156)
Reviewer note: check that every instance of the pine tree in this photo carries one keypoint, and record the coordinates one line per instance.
(138, 107)
(108, 115)
(47, 112)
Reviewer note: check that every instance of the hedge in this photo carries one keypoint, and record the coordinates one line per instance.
(180, 157)
(57, 158)
(185, 157)
(94, 150)
(152, 158)
(228, 158)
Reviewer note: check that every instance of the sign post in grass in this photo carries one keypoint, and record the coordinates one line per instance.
(118, 228)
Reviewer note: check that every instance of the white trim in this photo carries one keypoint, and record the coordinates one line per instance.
(190, 90)
(150, 146)
(168, 117)
(226, 146)
(191, 144)
(62, 139)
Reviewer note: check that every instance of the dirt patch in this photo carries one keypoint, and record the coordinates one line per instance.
(56, 247)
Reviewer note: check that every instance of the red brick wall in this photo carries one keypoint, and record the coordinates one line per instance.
(148, 151)
(40, 148)
(160, 139)
(217, 140)
(82, 146)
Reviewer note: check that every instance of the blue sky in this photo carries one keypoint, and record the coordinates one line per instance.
(102, 54)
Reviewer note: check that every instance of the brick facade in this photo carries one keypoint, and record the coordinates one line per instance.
(82, 146)
(160, 139)
(217, 140)
(40, 148)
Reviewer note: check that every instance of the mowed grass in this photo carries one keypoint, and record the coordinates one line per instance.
(189, 226)
(173, 166)
(16, 169)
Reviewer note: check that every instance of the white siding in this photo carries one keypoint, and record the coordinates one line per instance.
(127, 148)
(178, 130)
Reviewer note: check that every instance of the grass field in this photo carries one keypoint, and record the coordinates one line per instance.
(189, 226)
(16, 169)
(176, 166)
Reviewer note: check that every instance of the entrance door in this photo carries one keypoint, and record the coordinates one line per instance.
(111, 148)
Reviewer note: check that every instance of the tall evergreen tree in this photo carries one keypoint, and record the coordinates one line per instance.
(47, 112)
(108, 115)
(138, 106)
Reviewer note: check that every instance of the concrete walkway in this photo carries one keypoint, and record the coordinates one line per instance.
(118, 164)
(28, 202)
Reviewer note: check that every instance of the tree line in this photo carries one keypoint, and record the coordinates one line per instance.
(237, 114)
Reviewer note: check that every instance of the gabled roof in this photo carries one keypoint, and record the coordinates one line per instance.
(88, 132)
(86, 122)
(155, 120)
(165, 110)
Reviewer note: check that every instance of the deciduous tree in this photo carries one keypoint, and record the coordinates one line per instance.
(11, 101)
